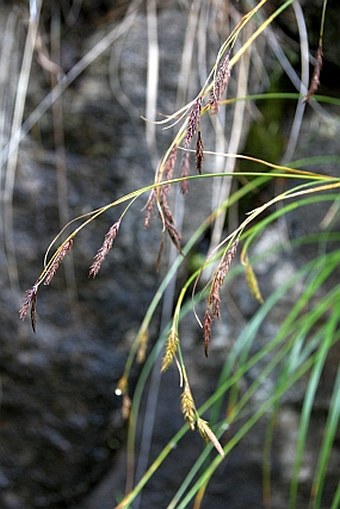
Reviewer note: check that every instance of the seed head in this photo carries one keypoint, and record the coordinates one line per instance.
(199, 152)
(185, 171)
(252, 281)
(63, 250)
(188, 407)
(222, 270)
(193, 122)
(170, 350)
(207, 322)
(220, 83)
(169, 167)
(208, 435)
(104, 249)
(169, 224)
(30, 303)
(149, 208)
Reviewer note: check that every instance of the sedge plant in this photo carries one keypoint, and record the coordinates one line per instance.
(307, 335)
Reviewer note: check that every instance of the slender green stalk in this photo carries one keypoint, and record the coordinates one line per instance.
(336, 500)
(250, 423)
(330, 430)
(289, 324)
(321, 356)
(301, 345)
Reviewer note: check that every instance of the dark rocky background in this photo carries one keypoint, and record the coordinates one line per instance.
(62, 437)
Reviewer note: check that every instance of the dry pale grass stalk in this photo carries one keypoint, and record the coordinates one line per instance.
(208, 435)
(104, 249)
(170, 350)
(64, 249)
(188, 407)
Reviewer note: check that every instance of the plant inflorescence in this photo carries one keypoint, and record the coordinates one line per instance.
(206, 282)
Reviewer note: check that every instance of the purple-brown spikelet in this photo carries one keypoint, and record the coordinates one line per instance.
(207, 322)
(169, 224)
(213, 309)
(214, 300)
(164, 207)
(104, 249)
(193, 122)
(30, 303)
(199, 152)
(185, 172)
(192, 127)
(315, 81)
(149, 208)
(66, 248)
(167, 174)
(169, 167)
(221, 82)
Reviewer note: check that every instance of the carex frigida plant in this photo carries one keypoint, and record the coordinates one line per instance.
(307, 334)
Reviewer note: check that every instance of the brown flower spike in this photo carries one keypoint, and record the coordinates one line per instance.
(104, 249)
(193, 122)
(66, 248)
(192, 128)
(31, 295)
(221, 82)
(168, 171)
(199, 152)
(185, 171)
(169, 224)
(149, 208)
(207, 322)
(30, 303)
(222, 270)
(213, 309)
